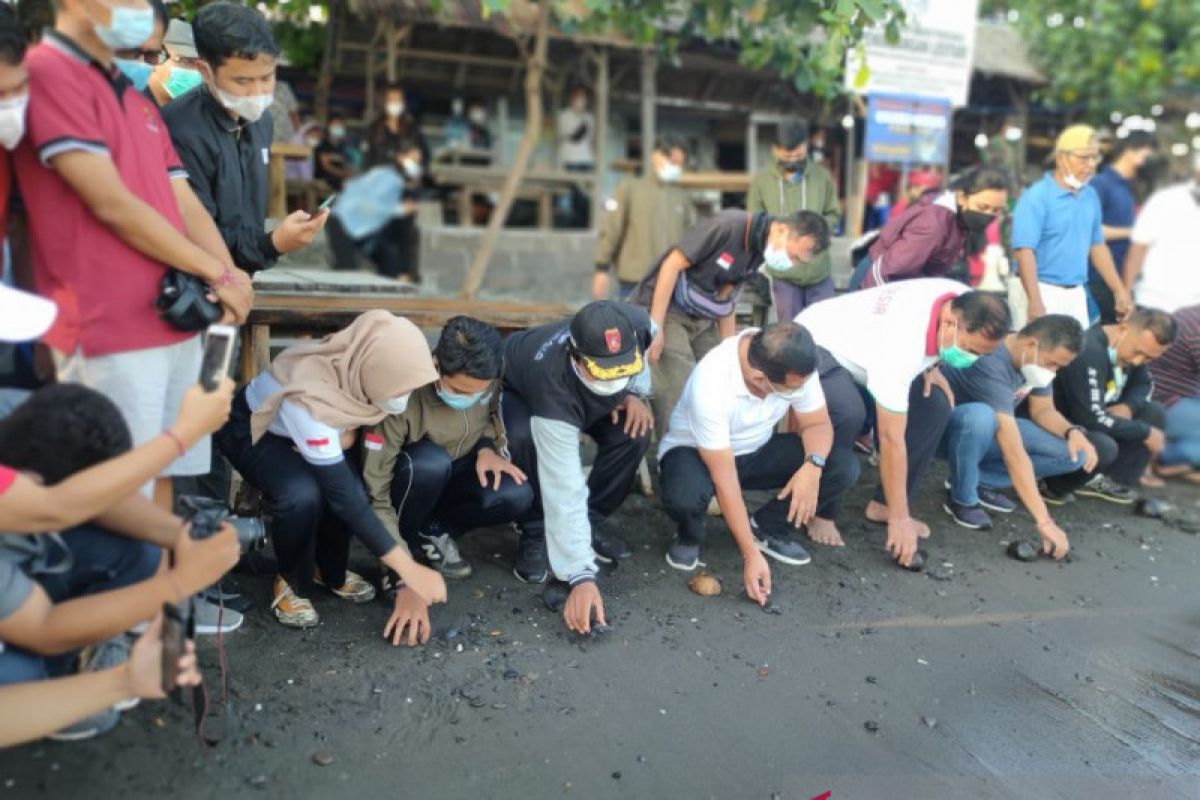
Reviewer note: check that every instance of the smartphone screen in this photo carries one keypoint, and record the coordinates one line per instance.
(218, 351)
(326, 204)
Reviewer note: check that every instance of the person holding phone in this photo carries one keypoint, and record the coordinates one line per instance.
(223, 135)
(288, 435)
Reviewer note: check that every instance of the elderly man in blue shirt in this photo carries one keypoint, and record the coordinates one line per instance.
(1057, 230)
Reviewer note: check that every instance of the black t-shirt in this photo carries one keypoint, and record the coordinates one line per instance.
(328, 148)
(537, 366)
(724, 251)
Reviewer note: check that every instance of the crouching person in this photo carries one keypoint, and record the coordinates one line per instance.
(583, 375)
(721, 439)
(286, 436)
(436, 471)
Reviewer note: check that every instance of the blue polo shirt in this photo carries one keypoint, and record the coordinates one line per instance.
(1117, 207)
(1060, 226)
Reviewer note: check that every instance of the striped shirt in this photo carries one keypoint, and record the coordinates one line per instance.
(1177, 372)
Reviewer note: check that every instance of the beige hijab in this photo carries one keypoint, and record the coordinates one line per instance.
(341, 379)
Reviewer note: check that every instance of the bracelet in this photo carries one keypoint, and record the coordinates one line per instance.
(174, 437)
(1079, 428)
(226, 277)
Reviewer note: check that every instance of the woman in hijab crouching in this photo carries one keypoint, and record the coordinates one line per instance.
(286, 436)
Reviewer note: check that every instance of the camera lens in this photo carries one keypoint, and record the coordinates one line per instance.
(251, 532)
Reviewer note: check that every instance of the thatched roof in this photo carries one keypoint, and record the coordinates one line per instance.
(1000, 51)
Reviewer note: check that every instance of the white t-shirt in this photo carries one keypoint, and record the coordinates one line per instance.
(886, 336)
(717, 411)
(317, 442)
(575, 152)
(1169, 225)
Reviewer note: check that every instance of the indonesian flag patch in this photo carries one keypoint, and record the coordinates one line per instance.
(725, 261)
(322, 442)
(373, 441)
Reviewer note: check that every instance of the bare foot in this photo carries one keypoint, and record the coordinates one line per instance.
(824, 531)
(1152, 481)
(877, 512)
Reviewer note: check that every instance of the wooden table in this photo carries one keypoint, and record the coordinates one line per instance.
(539, 185)
(277, 176)
(720, 181)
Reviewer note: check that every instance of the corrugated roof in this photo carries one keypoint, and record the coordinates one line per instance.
(1000, 50)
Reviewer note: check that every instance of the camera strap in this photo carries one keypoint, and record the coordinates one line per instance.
(200, 704)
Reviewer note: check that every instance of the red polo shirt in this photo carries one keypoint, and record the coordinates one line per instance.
(104, 288)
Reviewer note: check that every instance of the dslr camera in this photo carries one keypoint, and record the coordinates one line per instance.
(207, 515)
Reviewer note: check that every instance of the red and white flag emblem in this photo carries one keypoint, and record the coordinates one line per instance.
(373, 441)
(725, 261)
(612, 338)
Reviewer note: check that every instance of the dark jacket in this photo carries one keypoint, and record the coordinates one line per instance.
(923, 241)
(226, 163)
(1086, 387)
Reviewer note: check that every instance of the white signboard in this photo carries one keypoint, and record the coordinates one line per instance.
(933, 57)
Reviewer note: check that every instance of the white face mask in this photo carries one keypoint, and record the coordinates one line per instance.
(777, 259)
(1073, 182)
(412, 168)
(1037, 377)
(396, 405)
(602, 388)
(395, 109)
(787, 393)
(670, 172)
(12, 120)
(249, 108)
(478, 116)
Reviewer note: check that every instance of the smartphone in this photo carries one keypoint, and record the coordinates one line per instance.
(174, 635)
(326, 204)
(219, 344)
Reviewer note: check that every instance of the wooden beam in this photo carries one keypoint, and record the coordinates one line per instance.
(601, 158)
(649, 105)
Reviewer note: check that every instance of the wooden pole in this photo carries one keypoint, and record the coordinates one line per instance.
(649, 102)
(328, 59)
(601, 161)
(389, 44)
(535, 62)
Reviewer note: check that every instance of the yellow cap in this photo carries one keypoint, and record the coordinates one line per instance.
(1076, 137)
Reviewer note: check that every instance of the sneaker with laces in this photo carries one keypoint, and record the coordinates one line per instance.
(1055, 497)
(532, 564)
(88, 727)
(441, 552)
(608, 547)
(684, 556)
(290, 610)
(972, 517)
(780, 548)
(211, 619)
(226, 591)
(356, 588)
(1105, 488)
(105, 655)
(994, 501)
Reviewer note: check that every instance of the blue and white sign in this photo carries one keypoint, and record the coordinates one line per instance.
(907, 129)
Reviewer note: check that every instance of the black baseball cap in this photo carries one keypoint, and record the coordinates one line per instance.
(791, 133)
(605, 339)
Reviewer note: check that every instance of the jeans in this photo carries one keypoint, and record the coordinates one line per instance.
(101, 562)
(1183, 433)
(427, 485)
(1123, 460)
(687, 485)
(790, 299)
(973, 454)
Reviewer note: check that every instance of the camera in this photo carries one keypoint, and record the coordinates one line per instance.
(207, 515)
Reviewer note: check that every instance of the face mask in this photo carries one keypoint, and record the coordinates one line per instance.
(777, 259)
(795, 165)
(1036, 377)
(12, 120)
(395, 109)
(784, 393)
(412, 168)
(478, 116)
(602, 388)
(337, 132)
(460, 402)
(1073, 182)
(248, 108)
(818, 155)
(670, 172)
(182, 81)
(954, 356)
(975, 221)
(397, 405)
(138, 72)
(128, 28)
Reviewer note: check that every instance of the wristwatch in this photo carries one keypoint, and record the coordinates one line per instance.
(816, 460)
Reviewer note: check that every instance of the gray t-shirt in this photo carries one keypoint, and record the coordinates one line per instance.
(992, 380)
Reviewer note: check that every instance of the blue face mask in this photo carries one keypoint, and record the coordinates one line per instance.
(460, 402)
(129, 27)
(138, 72)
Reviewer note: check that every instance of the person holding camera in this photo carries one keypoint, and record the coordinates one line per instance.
(287, 437)
(89, 584)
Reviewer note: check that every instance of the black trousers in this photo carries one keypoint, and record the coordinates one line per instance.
(303, 531)
(393, 248)
(687, 485)
(428, 485)
(1103, 296)
(927, 418)
(1123, 460)
(613, 471)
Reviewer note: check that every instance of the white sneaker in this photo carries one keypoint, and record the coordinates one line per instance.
(211, 619)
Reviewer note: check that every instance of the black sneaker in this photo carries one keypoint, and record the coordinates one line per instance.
(780, 548)
(683, 555)
(973, 517)
(1106, 488)
(994, 501)
(607, 547)
(441, 553)
(532, 564)
(1054, 496)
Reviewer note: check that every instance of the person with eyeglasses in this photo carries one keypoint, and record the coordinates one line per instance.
(722, 438)
(926, 239)
(176, 67)
(1057, 229)
(137, 63)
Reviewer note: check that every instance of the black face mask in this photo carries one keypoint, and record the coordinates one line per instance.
(796, 165)
(975, 221)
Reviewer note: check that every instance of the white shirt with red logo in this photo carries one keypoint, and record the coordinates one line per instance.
(316, 442)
